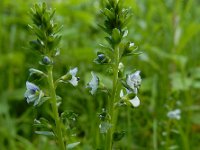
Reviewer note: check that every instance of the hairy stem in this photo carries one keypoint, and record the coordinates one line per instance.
(113, 100)
(54, 106)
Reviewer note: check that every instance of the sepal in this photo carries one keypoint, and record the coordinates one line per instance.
(117, 136)
(116, 36)
(36, 72)
(130, 49)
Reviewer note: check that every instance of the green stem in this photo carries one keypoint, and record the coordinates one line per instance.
(168, 139)
(155, 138)
(113, 100)
(184, 136)
(55, 109)
(129, 128)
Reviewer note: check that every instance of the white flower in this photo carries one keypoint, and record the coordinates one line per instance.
(135, 101)
(70, 77)
(93, 84)
(134, 81)
(33, 93)
(121, 94)
(174, 114)
(74, 79)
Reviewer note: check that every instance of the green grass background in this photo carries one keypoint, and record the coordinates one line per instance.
(168, 34)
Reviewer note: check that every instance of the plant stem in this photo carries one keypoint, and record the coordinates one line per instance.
(129, 141)
(155, 138)
(55, 109)
(113, 100)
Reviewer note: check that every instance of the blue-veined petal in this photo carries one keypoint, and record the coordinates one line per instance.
(32, 87)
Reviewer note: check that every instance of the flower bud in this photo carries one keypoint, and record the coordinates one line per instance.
(102, 58)
(129, 48)
(46, 60)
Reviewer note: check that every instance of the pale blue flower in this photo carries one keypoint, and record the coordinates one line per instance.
(93, 84)
(74, 79)
(174, 114)
(134, 81)
(70, 77)
(33, 93)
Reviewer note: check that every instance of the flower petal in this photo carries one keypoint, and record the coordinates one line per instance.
(74, 81)
(121, 94)
(94, 83)
(32, 87)
(135, 101)
(74, 71)
(31, 98)
(134, 81)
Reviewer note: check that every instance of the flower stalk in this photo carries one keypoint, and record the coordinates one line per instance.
(113, 99)
(54, 106)
(46, 43)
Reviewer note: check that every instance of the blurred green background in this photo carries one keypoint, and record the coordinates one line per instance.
(167, 33)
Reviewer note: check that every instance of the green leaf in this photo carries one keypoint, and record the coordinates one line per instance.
(108, 13)
(36, 72)
(116, 35)
(72, 145)
(117, 136)
(109, 40)
(46, 133)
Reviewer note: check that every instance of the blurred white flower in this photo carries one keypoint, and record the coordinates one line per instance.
(174, 114)
(131, 44)
(93, 84)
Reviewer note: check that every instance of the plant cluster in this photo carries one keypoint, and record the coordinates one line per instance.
(46, 43)
(125, 86)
